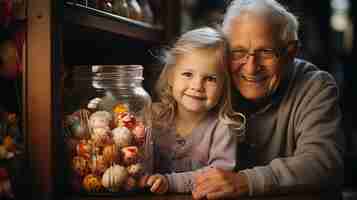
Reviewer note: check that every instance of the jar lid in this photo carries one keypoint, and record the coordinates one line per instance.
(105, 72)
(108, 72)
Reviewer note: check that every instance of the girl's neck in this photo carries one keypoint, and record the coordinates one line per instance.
(186, 122)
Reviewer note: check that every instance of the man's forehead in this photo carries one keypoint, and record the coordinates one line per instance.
(251, 30)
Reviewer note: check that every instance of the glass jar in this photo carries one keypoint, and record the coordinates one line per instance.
(135, 11)
(107, 129)
(121, 7)
(148, 16)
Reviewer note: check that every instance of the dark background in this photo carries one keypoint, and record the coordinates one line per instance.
(330, 48)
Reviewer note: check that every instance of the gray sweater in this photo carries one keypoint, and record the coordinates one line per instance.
(296, 143)
(211, 144)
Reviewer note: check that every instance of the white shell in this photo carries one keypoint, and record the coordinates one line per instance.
(100, 119)
(135, 169)
(100, 135)
(114, 177)
(100, 131)
(93, 104)
(122, 137)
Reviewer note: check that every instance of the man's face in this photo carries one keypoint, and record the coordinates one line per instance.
(258, 74)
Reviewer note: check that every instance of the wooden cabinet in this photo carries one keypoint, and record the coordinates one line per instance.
(62, 34)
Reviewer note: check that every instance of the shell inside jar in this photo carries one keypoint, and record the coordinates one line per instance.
(108, 154)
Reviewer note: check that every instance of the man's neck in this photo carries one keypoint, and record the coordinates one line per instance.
(251, 107)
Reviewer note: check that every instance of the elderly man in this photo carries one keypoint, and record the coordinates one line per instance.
(293, 118)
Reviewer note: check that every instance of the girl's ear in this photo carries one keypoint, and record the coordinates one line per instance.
(170, 76)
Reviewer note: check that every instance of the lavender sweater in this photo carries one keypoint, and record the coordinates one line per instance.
(296, 142)
(211, 144)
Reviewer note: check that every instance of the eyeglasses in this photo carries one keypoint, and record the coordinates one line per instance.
(262, 56)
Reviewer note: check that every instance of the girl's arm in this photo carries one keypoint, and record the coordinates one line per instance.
(221, 154)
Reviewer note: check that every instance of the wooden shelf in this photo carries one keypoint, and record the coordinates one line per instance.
(97, 20)
(62, 35)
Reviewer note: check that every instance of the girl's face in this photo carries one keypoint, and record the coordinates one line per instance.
(197, 82)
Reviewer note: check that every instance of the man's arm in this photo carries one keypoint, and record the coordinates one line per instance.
(318, 158)
(317, 161)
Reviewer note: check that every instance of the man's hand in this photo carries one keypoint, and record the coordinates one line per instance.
(219, 184)
(158, 183)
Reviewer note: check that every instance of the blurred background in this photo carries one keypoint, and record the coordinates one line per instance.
(328, 35)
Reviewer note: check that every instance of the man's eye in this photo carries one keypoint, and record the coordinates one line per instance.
(267, 52)
(239, 53)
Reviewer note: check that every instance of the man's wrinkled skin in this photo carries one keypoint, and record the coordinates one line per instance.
(216, 184)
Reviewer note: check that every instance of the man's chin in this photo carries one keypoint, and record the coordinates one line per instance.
(253, 97)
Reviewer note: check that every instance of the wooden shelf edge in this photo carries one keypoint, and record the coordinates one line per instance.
(103, 21)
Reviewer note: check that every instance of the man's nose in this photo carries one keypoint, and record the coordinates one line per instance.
(251, 67)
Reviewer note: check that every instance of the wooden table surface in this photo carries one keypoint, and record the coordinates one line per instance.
(328, 195)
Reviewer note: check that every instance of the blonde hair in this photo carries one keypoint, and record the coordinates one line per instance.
(205, 38)
(284, 21)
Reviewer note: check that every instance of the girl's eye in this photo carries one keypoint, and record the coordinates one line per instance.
(211, 79)
(187, 74)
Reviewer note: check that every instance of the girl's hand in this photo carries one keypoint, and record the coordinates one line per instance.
(158, 184)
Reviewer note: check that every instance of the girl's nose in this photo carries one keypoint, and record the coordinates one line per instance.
(197, 84)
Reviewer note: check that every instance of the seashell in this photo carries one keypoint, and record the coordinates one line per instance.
(100, 119)
(79, 130)
(93, 104)
(139, 133)
(80, 165)
(130, 155)
(135, 169)
(84, 149)
(120, 108)
(100, 136)
(98, 164)
(122, 137)
(129, 121)
(92, 183)
(111, 154)
(115, 177)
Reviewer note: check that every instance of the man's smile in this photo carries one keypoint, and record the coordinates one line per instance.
(255, 79)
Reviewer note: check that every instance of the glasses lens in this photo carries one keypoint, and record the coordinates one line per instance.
(262, 56)
(266, 54)
(239, 54)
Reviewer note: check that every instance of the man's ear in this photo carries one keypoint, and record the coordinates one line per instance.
(292, 50)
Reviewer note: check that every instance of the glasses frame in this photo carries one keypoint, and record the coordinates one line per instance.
(276, 53)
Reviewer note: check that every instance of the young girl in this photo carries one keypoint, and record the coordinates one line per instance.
(194, 126)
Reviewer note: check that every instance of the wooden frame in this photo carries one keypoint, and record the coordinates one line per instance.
(38, 97)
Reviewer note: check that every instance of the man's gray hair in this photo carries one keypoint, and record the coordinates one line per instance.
(286, 23)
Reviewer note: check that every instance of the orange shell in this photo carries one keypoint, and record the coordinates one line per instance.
(9, 144)
(91, 183)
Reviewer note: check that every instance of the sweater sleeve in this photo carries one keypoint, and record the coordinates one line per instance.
(317, 161)
(222, 154)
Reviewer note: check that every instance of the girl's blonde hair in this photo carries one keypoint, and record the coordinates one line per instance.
(205, 38)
